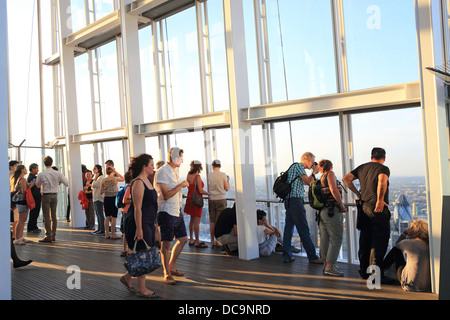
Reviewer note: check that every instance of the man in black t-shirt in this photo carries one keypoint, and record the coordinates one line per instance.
(374, 236)
(225, 230)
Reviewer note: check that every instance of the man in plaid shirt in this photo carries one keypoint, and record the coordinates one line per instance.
(295, 209)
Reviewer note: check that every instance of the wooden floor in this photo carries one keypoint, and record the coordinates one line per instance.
(209, 275)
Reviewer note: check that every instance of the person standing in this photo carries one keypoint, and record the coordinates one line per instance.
(90, 215)
(195, 185)
(97, 198)
(295, 209)
(170, 218)
(109, 190)
(14, 212)
(19, 199)
(141, 216)
(49, 181)
(32, 226)
(218, 185)
(374, 236)
(331, 219)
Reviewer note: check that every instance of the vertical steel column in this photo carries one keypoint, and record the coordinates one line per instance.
(69, 100)
(5, 235)
(430, 36)
(242, 135)
(132, 74)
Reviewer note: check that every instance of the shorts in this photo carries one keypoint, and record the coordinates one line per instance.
(110, 207)
(22, 208)
(171, 226)
(215, 208)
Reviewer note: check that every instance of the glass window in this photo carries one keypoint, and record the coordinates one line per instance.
(83, 88)
(103, 8)
(300, 65)
(182, 64)
(399, 132)
(78, 16)
(109, 86)
(381, 42)
(252, 56)
(218, 55)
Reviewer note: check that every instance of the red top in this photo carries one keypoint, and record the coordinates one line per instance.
(189, 207)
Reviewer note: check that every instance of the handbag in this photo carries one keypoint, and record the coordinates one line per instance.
(144, 261)
(196, 198)
(30, 199)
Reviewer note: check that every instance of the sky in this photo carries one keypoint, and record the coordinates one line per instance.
(381, 47)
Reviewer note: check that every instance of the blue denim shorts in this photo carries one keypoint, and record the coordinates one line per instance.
(171, 226)
(22, 208)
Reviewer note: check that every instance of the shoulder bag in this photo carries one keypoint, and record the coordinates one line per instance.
(197, 198)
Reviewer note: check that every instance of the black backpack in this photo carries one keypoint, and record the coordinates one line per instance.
(281, 187)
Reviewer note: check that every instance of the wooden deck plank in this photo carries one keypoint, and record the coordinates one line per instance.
(209, 275)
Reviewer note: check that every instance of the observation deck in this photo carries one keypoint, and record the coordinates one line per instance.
(209, 275)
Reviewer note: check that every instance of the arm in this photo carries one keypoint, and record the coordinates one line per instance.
(199, 186)
(126, 197)
(167, 194)
(348, 181)
(226, 184)
(101, 188)
(138, 195)
(38, 181)
(119, 177)
(381, 191)
(63, 180)
(308, 179)
(334, 190)
(23, 185)
(235, 229)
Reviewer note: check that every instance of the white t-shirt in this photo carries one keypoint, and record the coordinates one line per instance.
(167, 175)
(260, 232)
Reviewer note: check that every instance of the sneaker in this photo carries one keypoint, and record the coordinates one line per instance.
(334, 271)
(20, 241)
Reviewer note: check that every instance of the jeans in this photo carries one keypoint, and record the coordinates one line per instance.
(98, 208)
(267, 247)
(331, 233)
(374, 238)
(296, 217)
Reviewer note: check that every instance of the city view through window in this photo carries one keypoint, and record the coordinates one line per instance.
(302, 68)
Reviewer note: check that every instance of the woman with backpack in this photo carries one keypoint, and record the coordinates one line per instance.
(331, 219)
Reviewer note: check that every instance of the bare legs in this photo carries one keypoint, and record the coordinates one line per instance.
(168, 260)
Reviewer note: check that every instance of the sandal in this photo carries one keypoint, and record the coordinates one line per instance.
(176, 273)
(154, 295)
(130, 289)
(169, 280)
(201, 245)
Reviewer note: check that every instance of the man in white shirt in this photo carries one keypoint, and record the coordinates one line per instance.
(49, 181)
(170, 219)
(218, 185)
